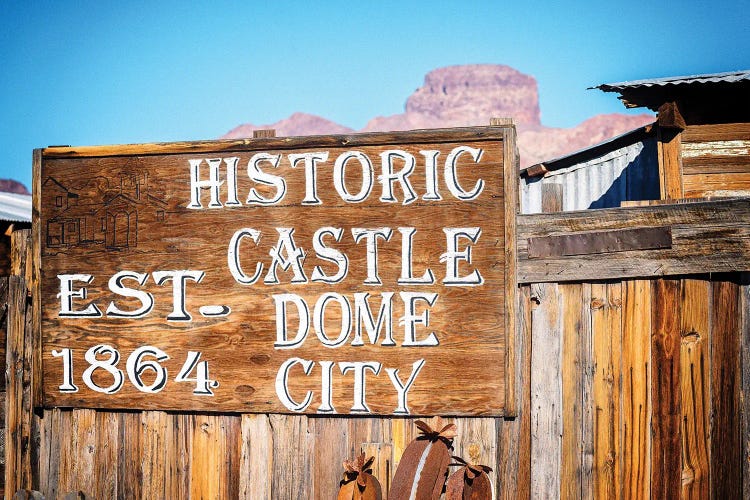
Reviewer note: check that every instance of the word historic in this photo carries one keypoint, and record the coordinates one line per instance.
(319, 280)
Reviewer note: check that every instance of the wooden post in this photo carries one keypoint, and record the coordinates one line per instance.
(19, 356)
(669, 133)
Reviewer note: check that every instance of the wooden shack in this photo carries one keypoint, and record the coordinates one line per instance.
(621, 360)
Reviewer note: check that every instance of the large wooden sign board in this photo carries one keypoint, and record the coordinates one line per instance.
(361, 274)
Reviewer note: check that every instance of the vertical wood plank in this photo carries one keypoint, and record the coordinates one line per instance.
(694, 386)
(726, 442)
(205, 480)
(575, 329)
(666, 466)
(588, 370)
(84, 451)
(154, 430)
(108, 441)
(476, 442)
(669, 152)
(129, 456)
(256, 464)
(291, 465)
(382, 467)
(229, 451)
(546, 392)
(514, 442)
(66, 474)
(331, 441)
(636, 390)
(50, 453)
(512, 207)
(745, 355)
(17, 425)
(178, 452)
(606, 326)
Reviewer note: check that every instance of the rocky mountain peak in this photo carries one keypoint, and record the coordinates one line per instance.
(454, 93)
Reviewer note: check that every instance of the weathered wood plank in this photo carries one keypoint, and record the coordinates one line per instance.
(130, 456)
(257, 458)
(706, 237)
(476, 442)
(666, 432)
(669, 148)
(636, 389)
(16, 444)
(606, 326)
(695, 382)
(66, 473)
(575, 327)
(155, 424)
(726, 442)
(546, 392)
(291, 457)
(745, 394)
(237, 145)
(107, 447)
(512, 207)
(514, 435)
(85, 452)
(50, 453)
(719, 185)
(620, 240)
(178, 453)
(716, 132)
(382, 467)
(716, 164)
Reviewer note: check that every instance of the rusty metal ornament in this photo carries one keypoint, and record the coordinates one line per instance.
(423, 468)
(469, 482)
(358, 482)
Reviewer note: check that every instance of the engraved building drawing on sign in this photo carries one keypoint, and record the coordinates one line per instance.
(99, 213)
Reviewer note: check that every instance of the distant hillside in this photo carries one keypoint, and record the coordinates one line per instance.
(457, 96)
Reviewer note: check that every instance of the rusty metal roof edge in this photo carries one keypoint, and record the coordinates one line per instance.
(726, 77)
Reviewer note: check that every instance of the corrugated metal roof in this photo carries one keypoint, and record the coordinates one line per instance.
(728, 77)
(15, 207)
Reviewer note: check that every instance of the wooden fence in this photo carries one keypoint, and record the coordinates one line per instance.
(626, 388)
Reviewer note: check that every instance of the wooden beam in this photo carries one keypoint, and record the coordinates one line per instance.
(669, 152)
(669, 116)
(711, 236)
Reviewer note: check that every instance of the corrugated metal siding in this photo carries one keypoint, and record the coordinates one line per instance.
(625, 174)
(15, 207)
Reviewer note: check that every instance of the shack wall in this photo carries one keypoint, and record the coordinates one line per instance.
(716, 160)
(624, 174)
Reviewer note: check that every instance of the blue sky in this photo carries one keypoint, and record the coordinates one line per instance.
(85, 73)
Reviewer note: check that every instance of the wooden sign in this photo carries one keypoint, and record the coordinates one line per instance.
(361, 274)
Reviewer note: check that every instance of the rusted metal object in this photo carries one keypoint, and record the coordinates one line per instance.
(423, 469)
(647, 238)
(358, 482)
(469, 482)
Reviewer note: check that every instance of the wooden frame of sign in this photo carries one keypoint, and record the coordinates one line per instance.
(358, 274)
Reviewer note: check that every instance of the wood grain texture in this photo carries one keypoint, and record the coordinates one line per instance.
(575, 474)
(511, 164)
(636, 389)
(669, 148)
(666, 428)
(133, 215)
(745, 392)
(695, 383)
(716, 132)
(257, 457)
(706, 237)
(726, 442)
(546, 392)
(606, 326)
